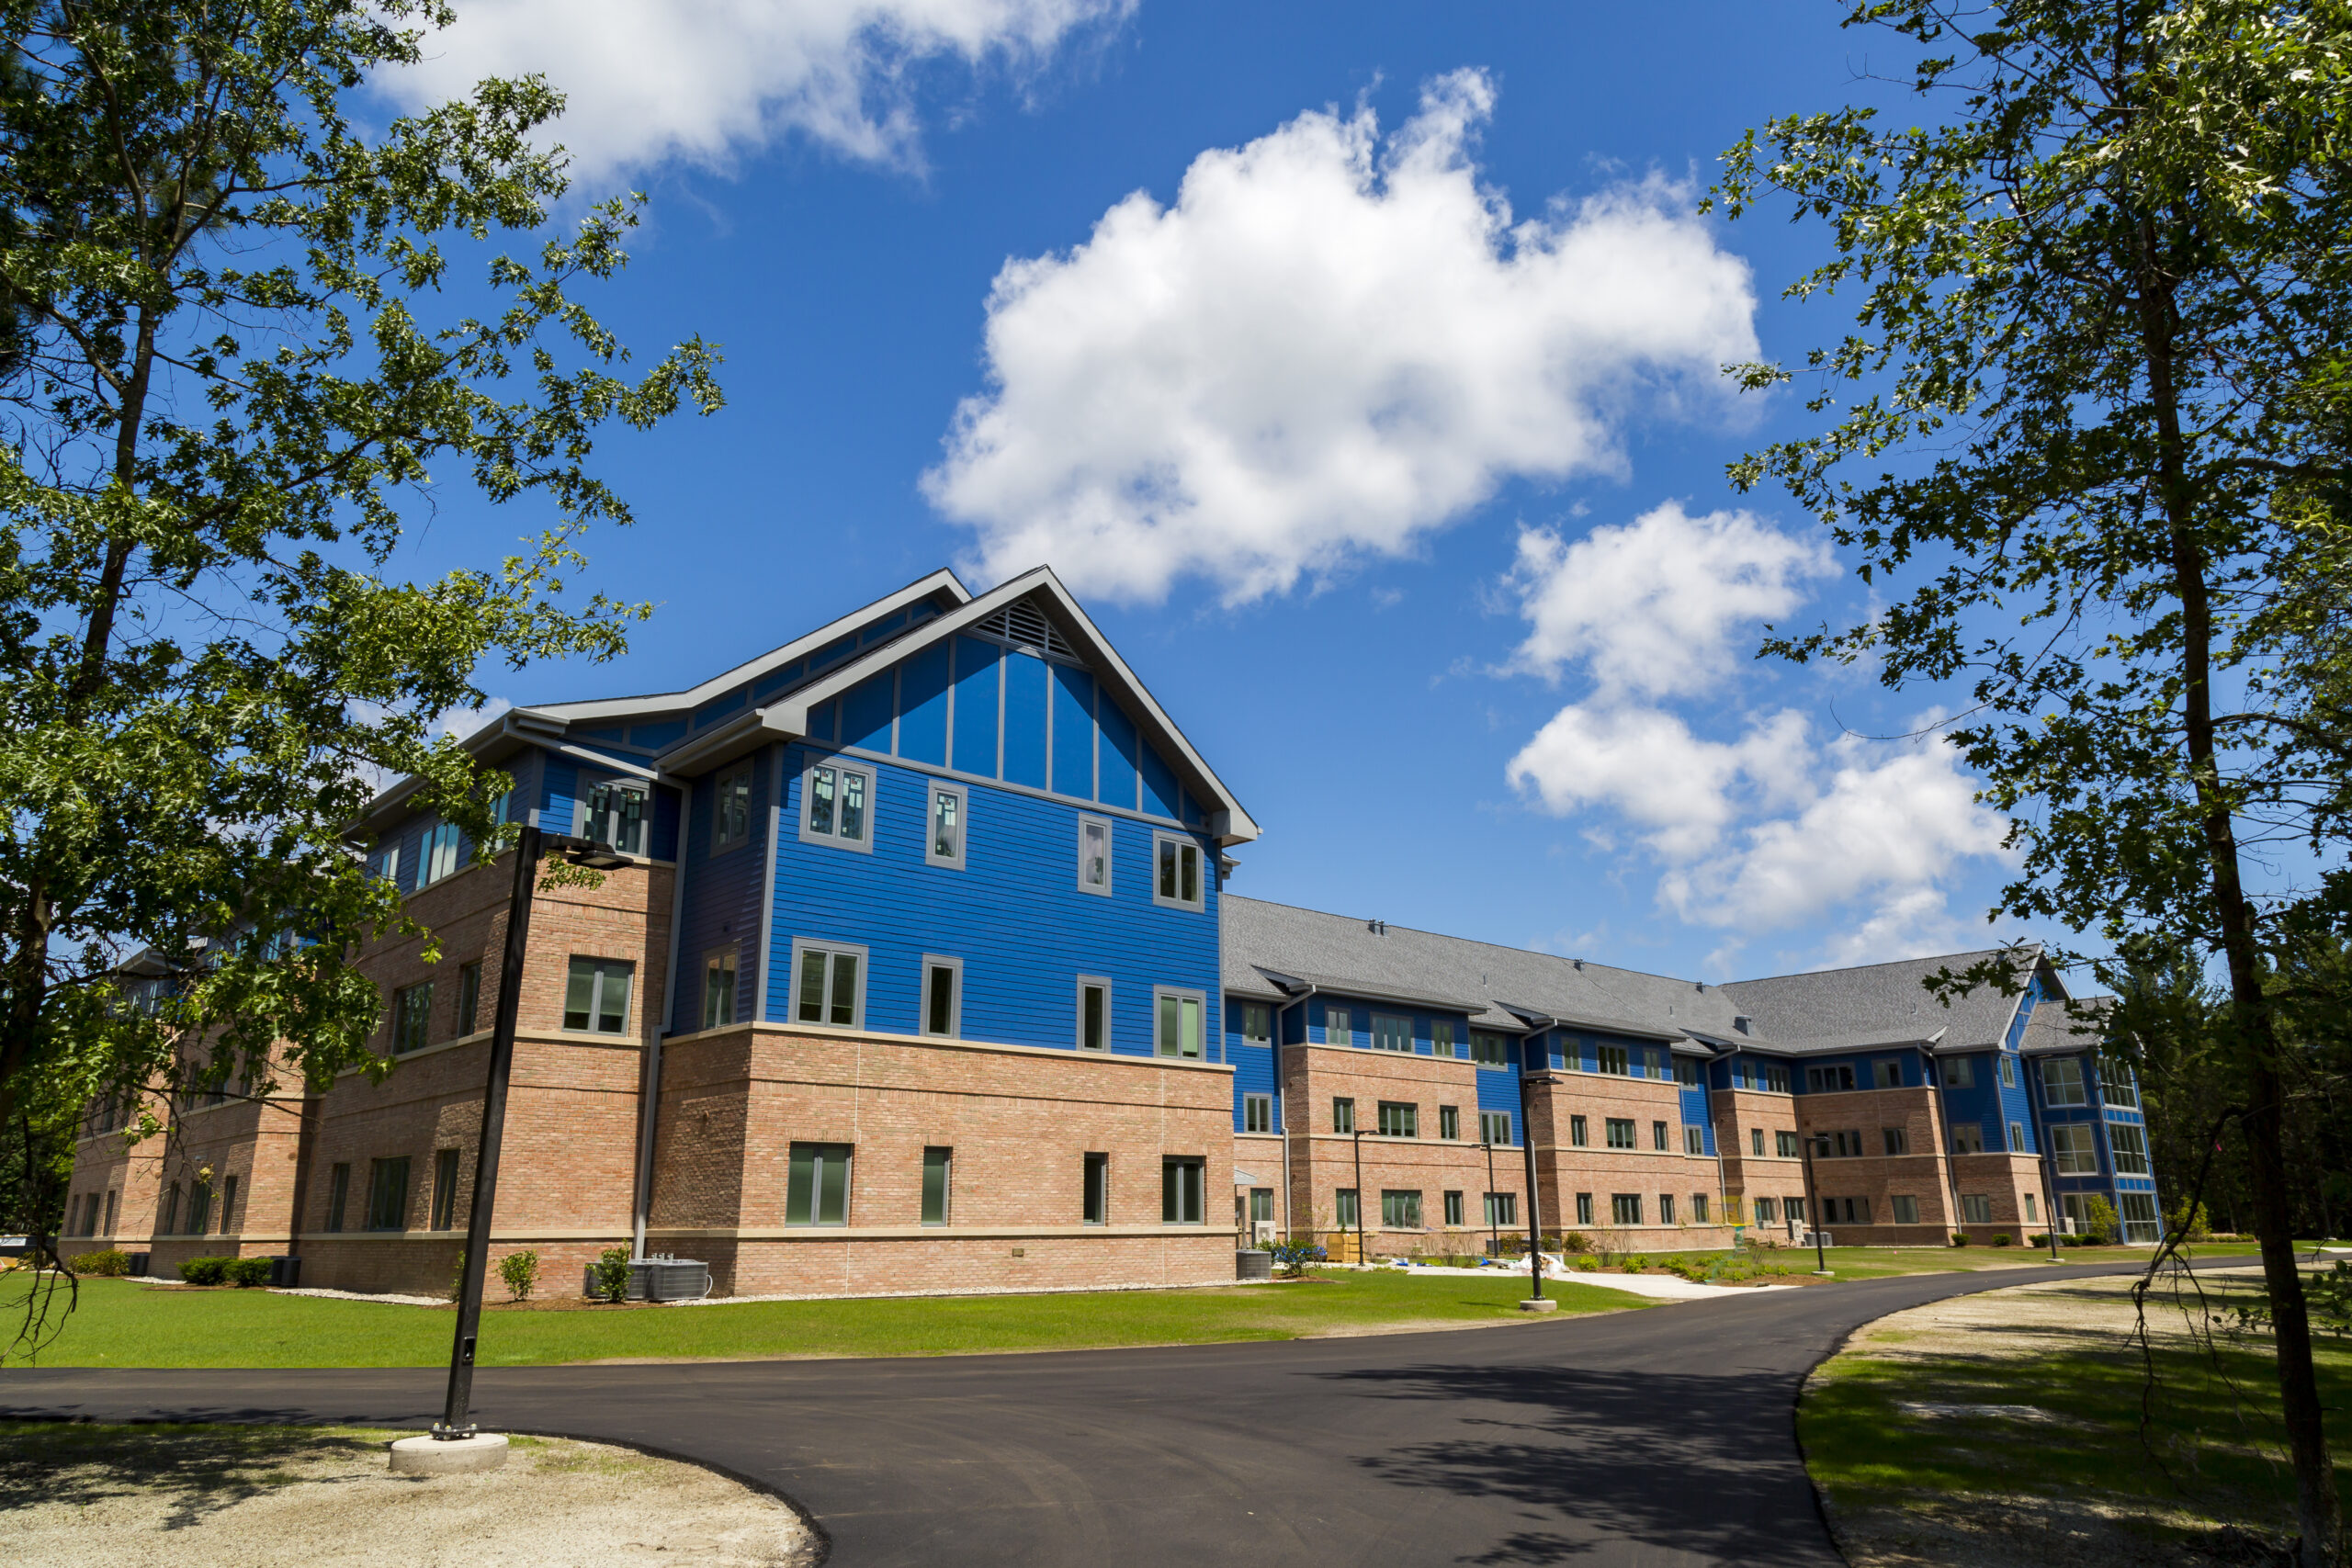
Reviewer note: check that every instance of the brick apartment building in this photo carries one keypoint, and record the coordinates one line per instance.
(924, 976)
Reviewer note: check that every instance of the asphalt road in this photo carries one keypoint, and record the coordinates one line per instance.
(1660, 1437)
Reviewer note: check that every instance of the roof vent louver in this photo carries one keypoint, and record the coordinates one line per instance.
(1023, 625)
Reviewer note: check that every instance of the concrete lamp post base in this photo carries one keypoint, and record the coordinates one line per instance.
(452, 1456)
(1543, 1303)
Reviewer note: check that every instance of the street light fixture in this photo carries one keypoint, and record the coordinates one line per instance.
(530, 848)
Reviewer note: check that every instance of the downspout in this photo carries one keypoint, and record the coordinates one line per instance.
(652, 1098)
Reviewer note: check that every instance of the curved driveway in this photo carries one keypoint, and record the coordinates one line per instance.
(1658, 1437)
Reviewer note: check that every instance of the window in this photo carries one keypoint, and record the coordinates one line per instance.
(718, 988)
(1257, 1112)
(1579, 1131)
(2129, 1147)
(1886, 1075)
(1584, 1208)
(1177, 883)
(338, 1191)
(2017, 1137)
(468, 997)
(2029, 1215)
(1453, 1210)
(112, 1199)
(1756, 1140)
(1686, 1072)
(1968, 1137)
(387, 1194)
(1856, 1210)
(596, 997)
(1502, 1209)
(1095, 1177)
(1180, 1015)
(615, 815)
(1093, 1014)
(1262, 1205)
(1256, 1025)
(950, 810)
(1666, 1208)
(170, 1226)
(1698, 1208)
(1657, 1136)
(730, 815)
(1441, 1038)
(2076, 1148)
(1694, 1140)
(1094, 855)
(1764, 1210)
(411, 1018)
(1343, 1114)
(1343, 1208)
(1449, 1123)
(1785, 1142)
(943, 996)
(228, 1204)
(1774, 1076)
(1830, 1080)
(816, 1188)
(1183, 1185)
(200, 1208)
(838, 802)
(829, 984)
(1977, 1208)
(1612, 1059)
(2115, 1088)
(2061, 1081)
(445, 1189)
(1620, 1131)
(1846, 1143)
(1960, 1072)
(1625, 1208)
(1486, 1049)
(1400, 1210)
(1398, 1120)
(1897, 1140)
(1792, 1210)
(387, 866)
(936, 1164)
(437, 856)
(2138, 1212)
(1659, 1063)
(1494, 1126)
(1337, 1030)
(1906, 1209)
(2008, 1072)
(1390, 1033)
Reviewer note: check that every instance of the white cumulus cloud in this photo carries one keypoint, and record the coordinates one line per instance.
(1329, 343)
(704, 80)
(1654, 606)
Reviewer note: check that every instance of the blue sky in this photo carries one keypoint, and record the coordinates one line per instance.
(1414, 514)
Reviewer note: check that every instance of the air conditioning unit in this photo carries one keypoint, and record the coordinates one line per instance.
(1263, 1232)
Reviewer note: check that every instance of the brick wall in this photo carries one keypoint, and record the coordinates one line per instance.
(1566, 1168)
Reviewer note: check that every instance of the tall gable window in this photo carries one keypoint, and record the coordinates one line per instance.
(438, 858)
(730, 816)
(1177, 882)
(615, 815)
(838, 805)
(945, 844)
(1094, 855)
(828, 985)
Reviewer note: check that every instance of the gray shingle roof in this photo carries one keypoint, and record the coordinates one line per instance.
(1880, 1004)
(2051, 1031)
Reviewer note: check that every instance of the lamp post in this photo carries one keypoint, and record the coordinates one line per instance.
(529, 849)
(1357, 1139)
(1494, 1223)
(1534, 1215)
(1812, 1199)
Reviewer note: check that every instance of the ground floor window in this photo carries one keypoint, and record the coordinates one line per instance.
(1182, 1189)
(937, 1166)
(1262, 1205)
(1794, 1209)
(817, 1187)
(2138, 1212)
(1343, 1208)
(1977, 1208)
(228, 1204)
(1095, 1174)
(1698, 1208)
(1400, 1210)
(1666, 1208)
(387, 1194)
(1584, 1208)
(1906, 1209)
(338, 1192)
(2030, 1217)
(1625, 1208)
(1453, 1210)
(445, 1189)
(1764, 1210)
(1502, 1209)
(1845, 1211)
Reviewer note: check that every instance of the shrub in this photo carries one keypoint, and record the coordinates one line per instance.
(2001, 1240)
(2099, 1221)
(2192, 1222)
(245, 1272)
(204, 1270)
(2038, 1241)
(1575, 1242)
(1960, 1238)
(608, 1276)
(520, 1270)
(1293, 1257)
(112, 1264)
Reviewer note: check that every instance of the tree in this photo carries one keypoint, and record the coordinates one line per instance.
(228, 375)
(2099, 396)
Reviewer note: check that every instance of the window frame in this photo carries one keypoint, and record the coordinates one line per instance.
(412, 1013)
(728, 960)
(1097, 983)
(2017, 1139)
(1694, 1139)
(1487, 1041)
(1906, 1207)
(1611, 1126)
(1500, 1122)
(932, 791)
(1657, 1138)
(1977, 1208)
(831, 838)
(1183, 1176)
(1449, 1123)
(444, 1190)
(726, 796)
(599, 968)
(1346, 1027)
(1258, 1017)
(1110, 857)
(338, 1198)
(1786, 1145)
(441, 841)
(1404, 1202)
(584, 814)
(1179, 994)
(946, 1165)
(932, 964)
(1343, 1120)
(1957, 1072)
(2131, 1161)
(1251, 1105)
(1407, 1114)
(1897, 1141)
(1622, 1204)
(1450, 1201)
(1182, 842)
(1502, 1209)
(1442, 1043)
(817, 1149)
(469, 998)
(1975, 1131)
(1883, 1068)
(1095, 1188)
(2079, 1097)
(2009, 1071)
(1580, 1130)
(1346, 1213)
(2074, 1146)
(801, 947)
(376, 1192)
(1612, 1061)
(1391, 1027)
(1584, 1208)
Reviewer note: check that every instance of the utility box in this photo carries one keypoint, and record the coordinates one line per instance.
(285, 1273)
(1252, 1264)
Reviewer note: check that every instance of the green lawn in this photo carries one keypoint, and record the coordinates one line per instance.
(124, 1323)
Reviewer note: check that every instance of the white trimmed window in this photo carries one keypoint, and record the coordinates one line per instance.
(2115, 1088)
(1093, 1014)
(943, 844)
(1336, 1028)
(2129, 1147)
(718, 988)
(1449, 1123)
(1256, 1025)
(595, 995)
(614, 813)
(730, 815)
(1257, 1112)
(1181, 1019)
(1494, 1126)
(829, 984)
(1176, 881)
(2075, 1148)
(2061, 1081)
(1094, 855)
(943, 996)
(1488, 1050)
(837, 805)
(1391, 1032)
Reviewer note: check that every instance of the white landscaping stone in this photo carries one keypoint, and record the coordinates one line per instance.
(453, 1456)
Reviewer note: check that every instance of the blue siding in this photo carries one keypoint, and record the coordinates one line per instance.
(559, 792)
(662, 834)
(977, 666)
(1115, 755)
(1696, 1114)
(1025, 719)
(1253, 1071)
(922, 707)
(1980, 1104)
(1014, 915)
(654, 737)
(720, 907)
(1073, 732)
